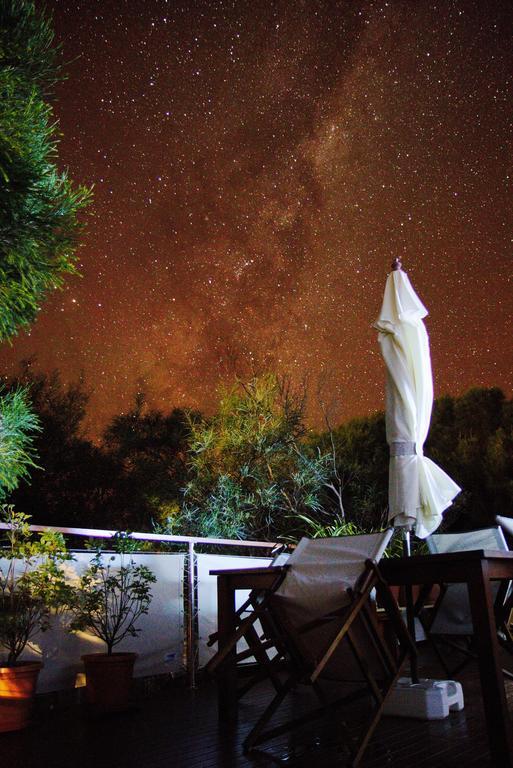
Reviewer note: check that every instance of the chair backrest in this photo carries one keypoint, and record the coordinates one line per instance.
(506, 523)
(484, 538)
(320, 571)
(453, 616)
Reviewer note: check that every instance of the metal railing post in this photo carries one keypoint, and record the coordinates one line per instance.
(410, 615)
(192, 612)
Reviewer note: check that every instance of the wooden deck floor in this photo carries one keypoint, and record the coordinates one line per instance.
(178, 728)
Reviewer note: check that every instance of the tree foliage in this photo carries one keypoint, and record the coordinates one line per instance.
(249, 472)
(69, 482)
(18, 423)
(472, 438)
(147, 449)
(129, 480)
(361, 456)
(39, 205)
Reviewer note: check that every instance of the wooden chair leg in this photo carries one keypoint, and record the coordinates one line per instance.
(220, 657)
(254, 734)
(261, 656)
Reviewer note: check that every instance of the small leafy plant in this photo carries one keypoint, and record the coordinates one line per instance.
(32, 583)
(110, 599)
(18, 423)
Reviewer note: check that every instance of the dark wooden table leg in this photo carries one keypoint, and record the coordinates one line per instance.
(227, 675)
(492, 680)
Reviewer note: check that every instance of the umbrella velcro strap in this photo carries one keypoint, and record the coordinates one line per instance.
(402, 449)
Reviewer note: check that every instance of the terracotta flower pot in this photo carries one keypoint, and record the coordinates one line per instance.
(17, 689)
(108, 681)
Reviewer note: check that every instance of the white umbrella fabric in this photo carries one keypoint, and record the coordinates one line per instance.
(419, 491)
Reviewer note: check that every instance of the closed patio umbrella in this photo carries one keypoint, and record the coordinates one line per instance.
(419, 491)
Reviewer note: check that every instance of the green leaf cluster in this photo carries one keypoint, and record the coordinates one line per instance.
(147, 451)
(362, 458)
(32, 583)
(39, 206)
(18, 423)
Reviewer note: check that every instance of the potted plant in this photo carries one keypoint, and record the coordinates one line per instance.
(32, 587)
(109, 601)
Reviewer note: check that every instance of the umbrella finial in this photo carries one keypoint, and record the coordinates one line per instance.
(396, 264)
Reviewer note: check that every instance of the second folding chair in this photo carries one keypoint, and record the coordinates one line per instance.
(449, 627)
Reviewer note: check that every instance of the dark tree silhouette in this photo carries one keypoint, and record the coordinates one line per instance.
(472, 437)
(148, 449)
(73, 484)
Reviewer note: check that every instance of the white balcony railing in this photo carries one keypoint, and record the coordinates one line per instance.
(183, 610)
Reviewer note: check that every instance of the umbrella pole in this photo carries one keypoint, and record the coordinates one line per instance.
(410, 616)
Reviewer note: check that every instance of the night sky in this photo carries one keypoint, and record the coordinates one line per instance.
(257, 165)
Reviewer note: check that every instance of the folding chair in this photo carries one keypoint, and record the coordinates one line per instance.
(321, 618)
(256, 640)
(450, 623)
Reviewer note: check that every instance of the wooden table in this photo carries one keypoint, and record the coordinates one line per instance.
(475, 568)
(228, 582)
